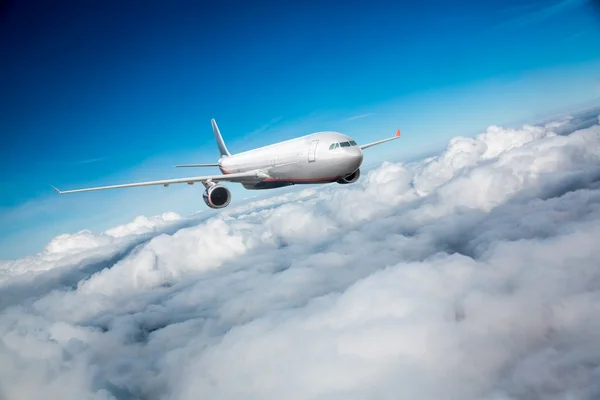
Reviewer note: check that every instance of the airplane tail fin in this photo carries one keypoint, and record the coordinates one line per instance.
(222, 148)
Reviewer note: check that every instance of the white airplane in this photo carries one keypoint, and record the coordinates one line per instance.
(321, 157)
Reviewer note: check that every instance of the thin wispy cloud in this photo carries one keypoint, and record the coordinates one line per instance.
(90, 160)
(359, 116)
(540, 13)
(256, 136)
(266, 126)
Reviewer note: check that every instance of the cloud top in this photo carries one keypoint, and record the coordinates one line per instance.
(469, 275)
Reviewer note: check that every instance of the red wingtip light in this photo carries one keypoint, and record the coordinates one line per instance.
(398, 133)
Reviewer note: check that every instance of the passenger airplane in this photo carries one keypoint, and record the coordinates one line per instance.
(321, 157)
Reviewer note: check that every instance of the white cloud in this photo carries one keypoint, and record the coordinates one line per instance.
(469, 275)
(143, 224)
(359, 116)
(68, 250)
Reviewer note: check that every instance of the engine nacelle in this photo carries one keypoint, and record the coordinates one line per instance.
(353, 177)
(217, 196)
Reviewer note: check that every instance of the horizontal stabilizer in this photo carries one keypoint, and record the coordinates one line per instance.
(196, 165)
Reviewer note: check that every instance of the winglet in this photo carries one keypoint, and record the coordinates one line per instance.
(398, 133)
(54, 187)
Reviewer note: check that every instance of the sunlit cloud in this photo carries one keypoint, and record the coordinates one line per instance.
(472, 274)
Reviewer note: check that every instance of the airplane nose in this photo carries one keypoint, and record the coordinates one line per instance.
(355, 157)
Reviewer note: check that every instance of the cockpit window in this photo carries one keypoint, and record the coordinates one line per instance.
(334, 146)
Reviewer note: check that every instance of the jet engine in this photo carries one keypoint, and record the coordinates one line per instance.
(353, 177)
(217, 196)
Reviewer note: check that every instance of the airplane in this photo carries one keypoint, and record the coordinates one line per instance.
(321, 157)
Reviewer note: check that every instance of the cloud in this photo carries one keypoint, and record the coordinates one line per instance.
(143, 225)
(359, 116)
(536, 14)
(469, 275)
(91, 160)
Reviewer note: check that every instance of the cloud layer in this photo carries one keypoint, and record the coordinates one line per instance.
(470, 275)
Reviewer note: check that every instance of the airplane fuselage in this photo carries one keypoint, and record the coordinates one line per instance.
(316, 158)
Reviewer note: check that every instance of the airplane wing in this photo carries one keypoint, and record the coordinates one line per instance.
(237, 177)
(366, 146)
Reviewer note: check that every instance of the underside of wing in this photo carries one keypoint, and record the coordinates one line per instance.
(240, 177)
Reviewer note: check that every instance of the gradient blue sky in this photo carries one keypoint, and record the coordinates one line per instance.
(102, 92)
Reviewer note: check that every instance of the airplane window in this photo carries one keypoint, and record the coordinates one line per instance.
(334, 146)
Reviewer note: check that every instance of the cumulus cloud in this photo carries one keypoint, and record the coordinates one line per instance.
(143, 224)
(469, 275)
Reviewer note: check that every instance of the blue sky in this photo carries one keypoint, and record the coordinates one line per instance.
(107, 92)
